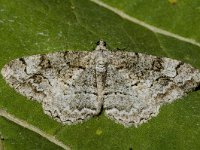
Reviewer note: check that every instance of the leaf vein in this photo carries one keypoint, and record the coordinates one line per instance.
(144, 24)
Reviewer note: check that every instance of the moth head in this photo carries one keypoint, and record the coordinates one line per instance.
(101, 45)
(101, 54)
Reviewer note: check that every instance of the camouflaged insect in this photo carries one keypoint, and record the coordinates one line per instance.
(74, 86)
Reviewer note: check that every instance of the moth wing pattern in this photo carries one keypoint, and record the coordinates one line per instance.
(74, 86)
(138, 84)
(64, 82)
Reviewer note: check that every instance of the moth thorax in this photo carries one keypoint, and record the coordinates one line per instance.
(101, 64)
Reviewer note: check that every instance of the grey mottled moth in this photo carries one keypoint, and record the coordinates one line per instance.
(73, 86)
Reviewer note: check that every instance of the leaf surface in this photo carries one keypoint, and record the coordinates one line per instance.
(41, 26)
(177, 16)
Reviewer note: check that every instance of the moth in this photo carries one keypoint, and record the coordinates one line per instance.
(73, 86)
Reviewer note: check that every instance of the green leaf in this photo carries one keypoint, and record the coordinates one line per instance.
(178, 16)
(14, 137)
(41, 26)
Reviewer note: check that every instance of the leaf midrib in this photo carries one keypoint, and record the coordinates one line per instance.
(144, 24)
(32, 128)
